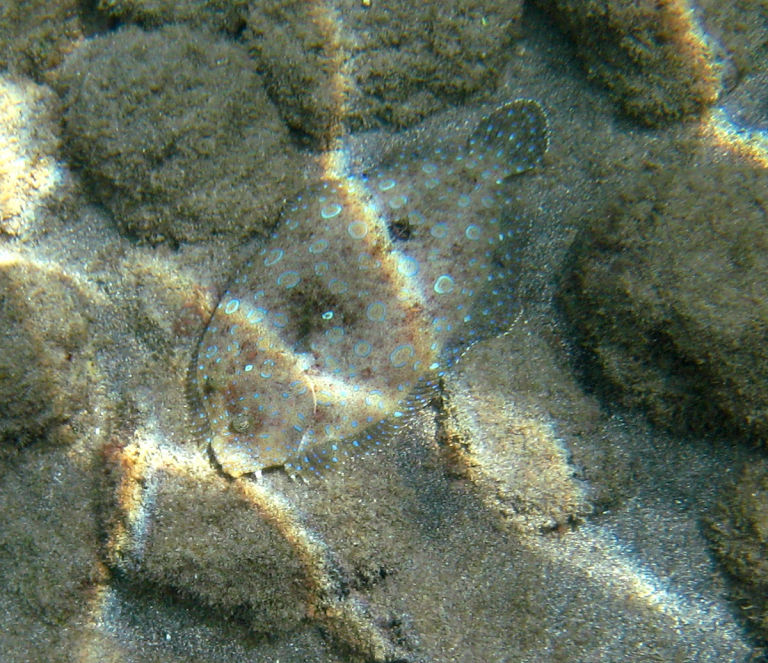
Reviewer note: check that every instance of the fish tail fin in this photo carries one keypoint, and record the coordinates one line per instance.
(511, 140)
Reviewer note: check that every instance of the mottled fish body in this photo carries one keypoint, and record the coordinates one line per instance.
(340, 327)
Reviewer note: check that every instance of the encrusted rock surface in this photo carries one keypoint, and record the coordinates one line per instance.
(401, 62)
(36, 34)
(665, 291)
(36, 189)
(507, 402)
(647, 53)
(175, 134)
(739, 533)
(49, 380)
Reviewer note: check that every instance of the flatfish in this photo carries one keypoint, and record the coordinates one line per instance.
(333, 333)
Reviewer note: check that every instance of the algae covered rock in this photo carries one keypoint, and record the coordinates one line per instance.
(646, 53)
(33, 185)
(175, 134)
(36, 34)
(239, 549)
(207, 541)
(666, 292)
(389, 62)
(510, 421)
(48, 552)
(739, 535)
(224, 15)
(47, 372)
(740, 27)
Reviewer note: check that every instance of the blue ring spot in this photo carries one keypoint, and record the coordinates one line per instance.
(444, 284)
(318, 246)
(256, 315)
(279, 320)
(362, 348)
(376, 312)
(408, 266)
(288, 279)
(473, 232)
(397, 202)
(357, 229)
(266, 368)
(337, 286)
(273, 257)
(367, 261)
(330, 211)
(416, 218)
(439, 230)
(386, 185)
(400, 355)
(370, 401)
(334, 334)
(232, 306)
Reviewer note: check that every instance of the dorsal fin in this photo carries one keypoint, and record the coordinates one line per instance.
(512, 139)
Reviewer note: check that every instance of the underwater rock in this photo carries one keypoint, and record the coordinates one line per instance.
(746, 106)
(739, 534)
(216, 15)
(371, 286)
(35, 35)
(647, 53)
(238, 548)
(201, 537)
(32, 182)
(361, 65)
(666, 292)
(502, 428)
(48, 376)
(49, 552)
(176, 135)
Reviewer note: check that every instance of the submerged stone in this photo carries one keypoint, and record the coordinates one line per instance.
(48, 376)
(332, 334)
(175, 134)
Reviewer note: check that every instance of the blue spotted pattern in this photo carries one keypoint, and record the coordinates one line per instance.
(338, 329)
